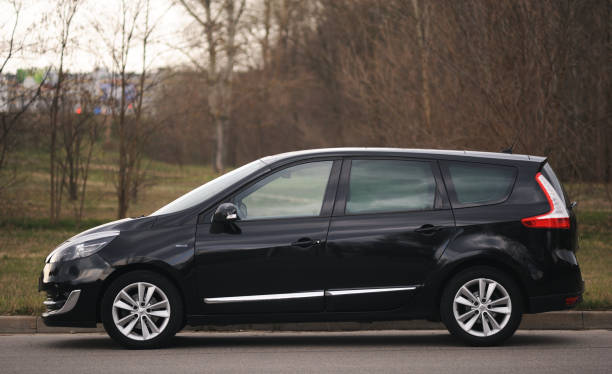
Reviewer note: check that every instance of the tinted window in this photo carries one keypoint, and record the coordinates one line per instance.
(390, 186)
(481, 184)
(297, 191)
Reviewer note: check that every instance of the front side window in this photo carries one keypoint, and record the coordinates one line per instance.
(390, 186)
(210, 189)
(296, 191)
(480, 184)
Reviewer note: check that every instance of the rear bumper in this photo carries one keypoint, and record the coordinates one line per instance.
(560, 285)
(548, 303)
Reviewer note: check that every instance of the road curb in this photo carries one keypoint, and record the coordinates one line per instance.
(17, 324)
(571, 320)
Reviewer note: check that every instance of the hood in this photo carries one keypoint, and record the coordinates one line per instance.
(141, 223)
(125, 224)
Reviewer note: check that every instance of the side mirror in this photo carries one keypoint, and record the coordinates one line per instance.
(226, 212)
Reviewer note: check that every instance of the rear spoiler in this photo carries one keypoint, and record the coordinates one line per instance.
(543, 162)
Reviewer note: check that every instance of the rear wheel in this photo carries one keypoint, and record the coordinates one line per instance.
(482, 306)
(142, 309)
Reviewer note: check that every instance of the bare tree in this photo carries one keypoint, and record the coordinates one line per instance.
(79, 130)
(15, 105)
(219, 22)
(66, 10)
(145, 125)
(133, 28)
(10, 46)
(475, 75)
(126, 31)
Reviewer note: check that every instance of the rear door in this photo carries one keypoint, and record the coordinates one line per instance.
(391, 222)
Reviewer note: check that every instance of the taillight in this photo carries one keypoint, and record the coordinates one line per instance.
(569, 301)
(557, 217)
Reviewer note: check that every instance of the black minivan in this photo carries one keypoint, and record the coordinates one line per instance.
(472, 239)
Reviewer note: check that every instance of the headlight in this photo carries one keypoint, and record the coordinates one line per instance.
(82, 246)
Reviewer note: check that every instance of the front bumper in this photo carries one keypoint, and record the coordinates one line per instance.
(73, 290)
(61, 306)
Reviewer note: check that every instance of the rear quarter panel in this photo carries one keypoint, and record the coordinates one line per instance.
(494, 235)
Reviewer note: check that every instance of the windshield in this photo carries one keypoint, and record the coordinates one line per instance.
(208, 190)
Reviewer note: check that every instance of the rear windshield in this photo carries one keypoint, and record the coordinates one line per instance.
(480, 184)
(552, 178)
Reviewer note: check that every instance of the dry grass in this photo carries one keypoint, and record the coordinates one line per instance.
(595, 258)
(164, 182)
(22, 255)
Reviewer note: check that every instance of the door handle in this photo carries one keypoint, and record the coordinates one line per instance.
(428, 229)
(305, 242)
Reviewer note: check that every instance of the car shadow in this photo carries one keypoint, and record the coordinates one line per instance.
(306, 339)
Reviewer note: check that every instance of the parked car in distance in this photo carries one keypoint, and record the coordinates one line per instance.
(472, 239)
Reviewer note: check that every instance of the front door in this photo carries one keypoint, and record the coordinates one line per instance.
(391, 223)
(268, 260)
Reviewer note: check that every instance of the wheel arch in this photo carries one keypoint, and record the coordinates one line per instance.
(475, 262)
(135, 267)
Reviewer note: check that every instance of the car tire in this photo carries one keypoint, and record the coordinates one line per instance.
(142, 309)
(494, 311)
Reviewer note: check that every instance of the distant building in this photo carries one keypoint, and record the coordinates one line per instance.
(98, 92)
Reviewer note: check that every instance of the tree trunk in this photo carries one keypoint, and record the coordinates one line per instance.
(219, 80)
(220, 144)
(422, 29)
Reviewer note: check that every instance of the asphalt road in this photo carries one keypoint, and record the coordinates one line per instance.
(307, 352)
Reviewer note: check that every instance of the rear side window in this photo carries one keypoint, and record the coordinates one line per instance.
(390, 186)
(480, 184)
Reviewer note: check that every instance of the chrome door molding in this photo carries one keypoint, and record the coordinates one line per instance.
(268, 297)
(305, 295)
(356, 291)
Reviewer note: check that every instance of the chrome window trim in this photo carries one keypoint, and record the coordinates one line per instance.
(70, 303)
(268, 297)
(355, 291)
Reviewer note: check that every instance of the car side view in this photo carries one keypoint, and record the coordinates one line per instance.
(472, 239)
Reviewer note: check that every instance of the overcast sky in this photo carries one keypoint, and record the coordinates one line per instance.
(38, 29)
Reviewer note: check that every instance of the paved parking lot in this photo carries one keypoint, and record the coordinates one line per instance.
(312, 352)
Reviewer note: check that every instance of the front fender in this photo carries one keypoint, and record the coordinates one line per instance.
(166, 250)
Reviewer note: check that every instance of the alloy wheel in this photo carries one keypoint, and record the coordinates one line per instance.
(141, 311)
(482, 307)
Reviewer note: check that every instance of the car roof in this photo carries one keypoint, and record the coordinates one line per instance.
(474, 156)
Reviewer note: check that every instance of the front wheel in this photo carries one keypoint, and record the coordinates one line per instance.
(142, 309)
(482, 306)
